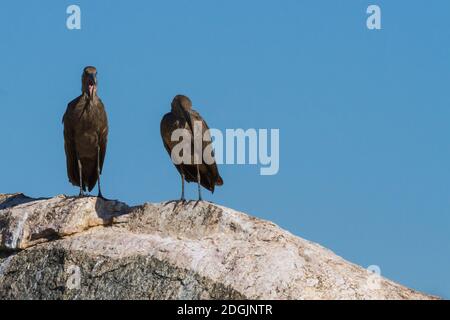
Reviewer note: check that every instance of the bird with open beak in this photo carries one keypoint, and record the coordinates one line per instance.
(86, 135)
(89, 82)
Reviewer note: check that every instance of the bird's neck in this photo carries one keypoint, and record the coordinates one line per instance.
(89, 102)
(86, 96)
(179, 111)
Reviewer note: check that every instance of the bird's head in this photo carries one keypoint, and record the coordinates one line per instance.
(89, 81)
(183, 102)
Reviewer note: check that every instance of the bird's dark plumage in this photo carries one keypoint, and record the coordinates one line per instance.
(182, 116)
(85, 134)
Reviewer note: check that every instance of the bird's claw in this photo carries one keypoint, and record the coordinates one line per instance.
(197, 202)
(176, 202)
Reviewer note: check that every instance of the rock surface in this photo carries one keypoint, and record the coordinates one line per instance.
(69, 248)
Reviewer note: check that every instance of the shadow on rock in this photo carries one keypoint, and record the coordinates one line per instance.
(107, 210)
(10, 201)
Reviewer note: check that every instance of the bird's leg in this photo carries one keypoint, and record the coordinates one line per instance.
(80, 173)
(199, 188)
(198, 184)
(182, 200)
(98, 173)
(182, 188)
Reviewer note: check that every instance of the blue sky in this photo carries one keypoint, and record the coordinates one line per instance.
(363, 115)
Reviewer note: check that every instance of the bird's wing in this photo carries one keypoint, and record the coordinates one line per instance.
(194, 117)
(166, 127)
(69, 146)
(103, 134)
(209, 172)
(169, 123)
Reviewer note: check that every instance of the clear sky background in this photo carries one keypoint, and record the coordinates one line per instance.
(364, 116)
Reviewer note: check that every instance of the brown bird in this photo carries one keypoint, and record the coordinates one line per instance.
(86, 135)
(183, 116)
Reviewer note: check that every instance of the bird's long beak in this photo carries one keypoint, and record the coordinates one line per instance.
(92, 85)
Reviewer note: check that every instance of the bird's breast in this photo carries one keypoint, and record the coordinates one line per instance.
(86, 131)
(87, 144)
(180, 124)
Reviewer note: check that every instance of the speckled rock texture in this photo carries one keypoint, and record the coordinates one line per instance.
(88, 248)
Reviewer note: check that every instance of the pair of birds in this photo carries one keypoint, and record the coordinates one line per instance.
(86, 138)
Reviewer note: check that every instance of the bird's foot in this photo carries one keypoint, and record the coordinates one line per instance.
(176, 202)
(182, 200)
(197, 202)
